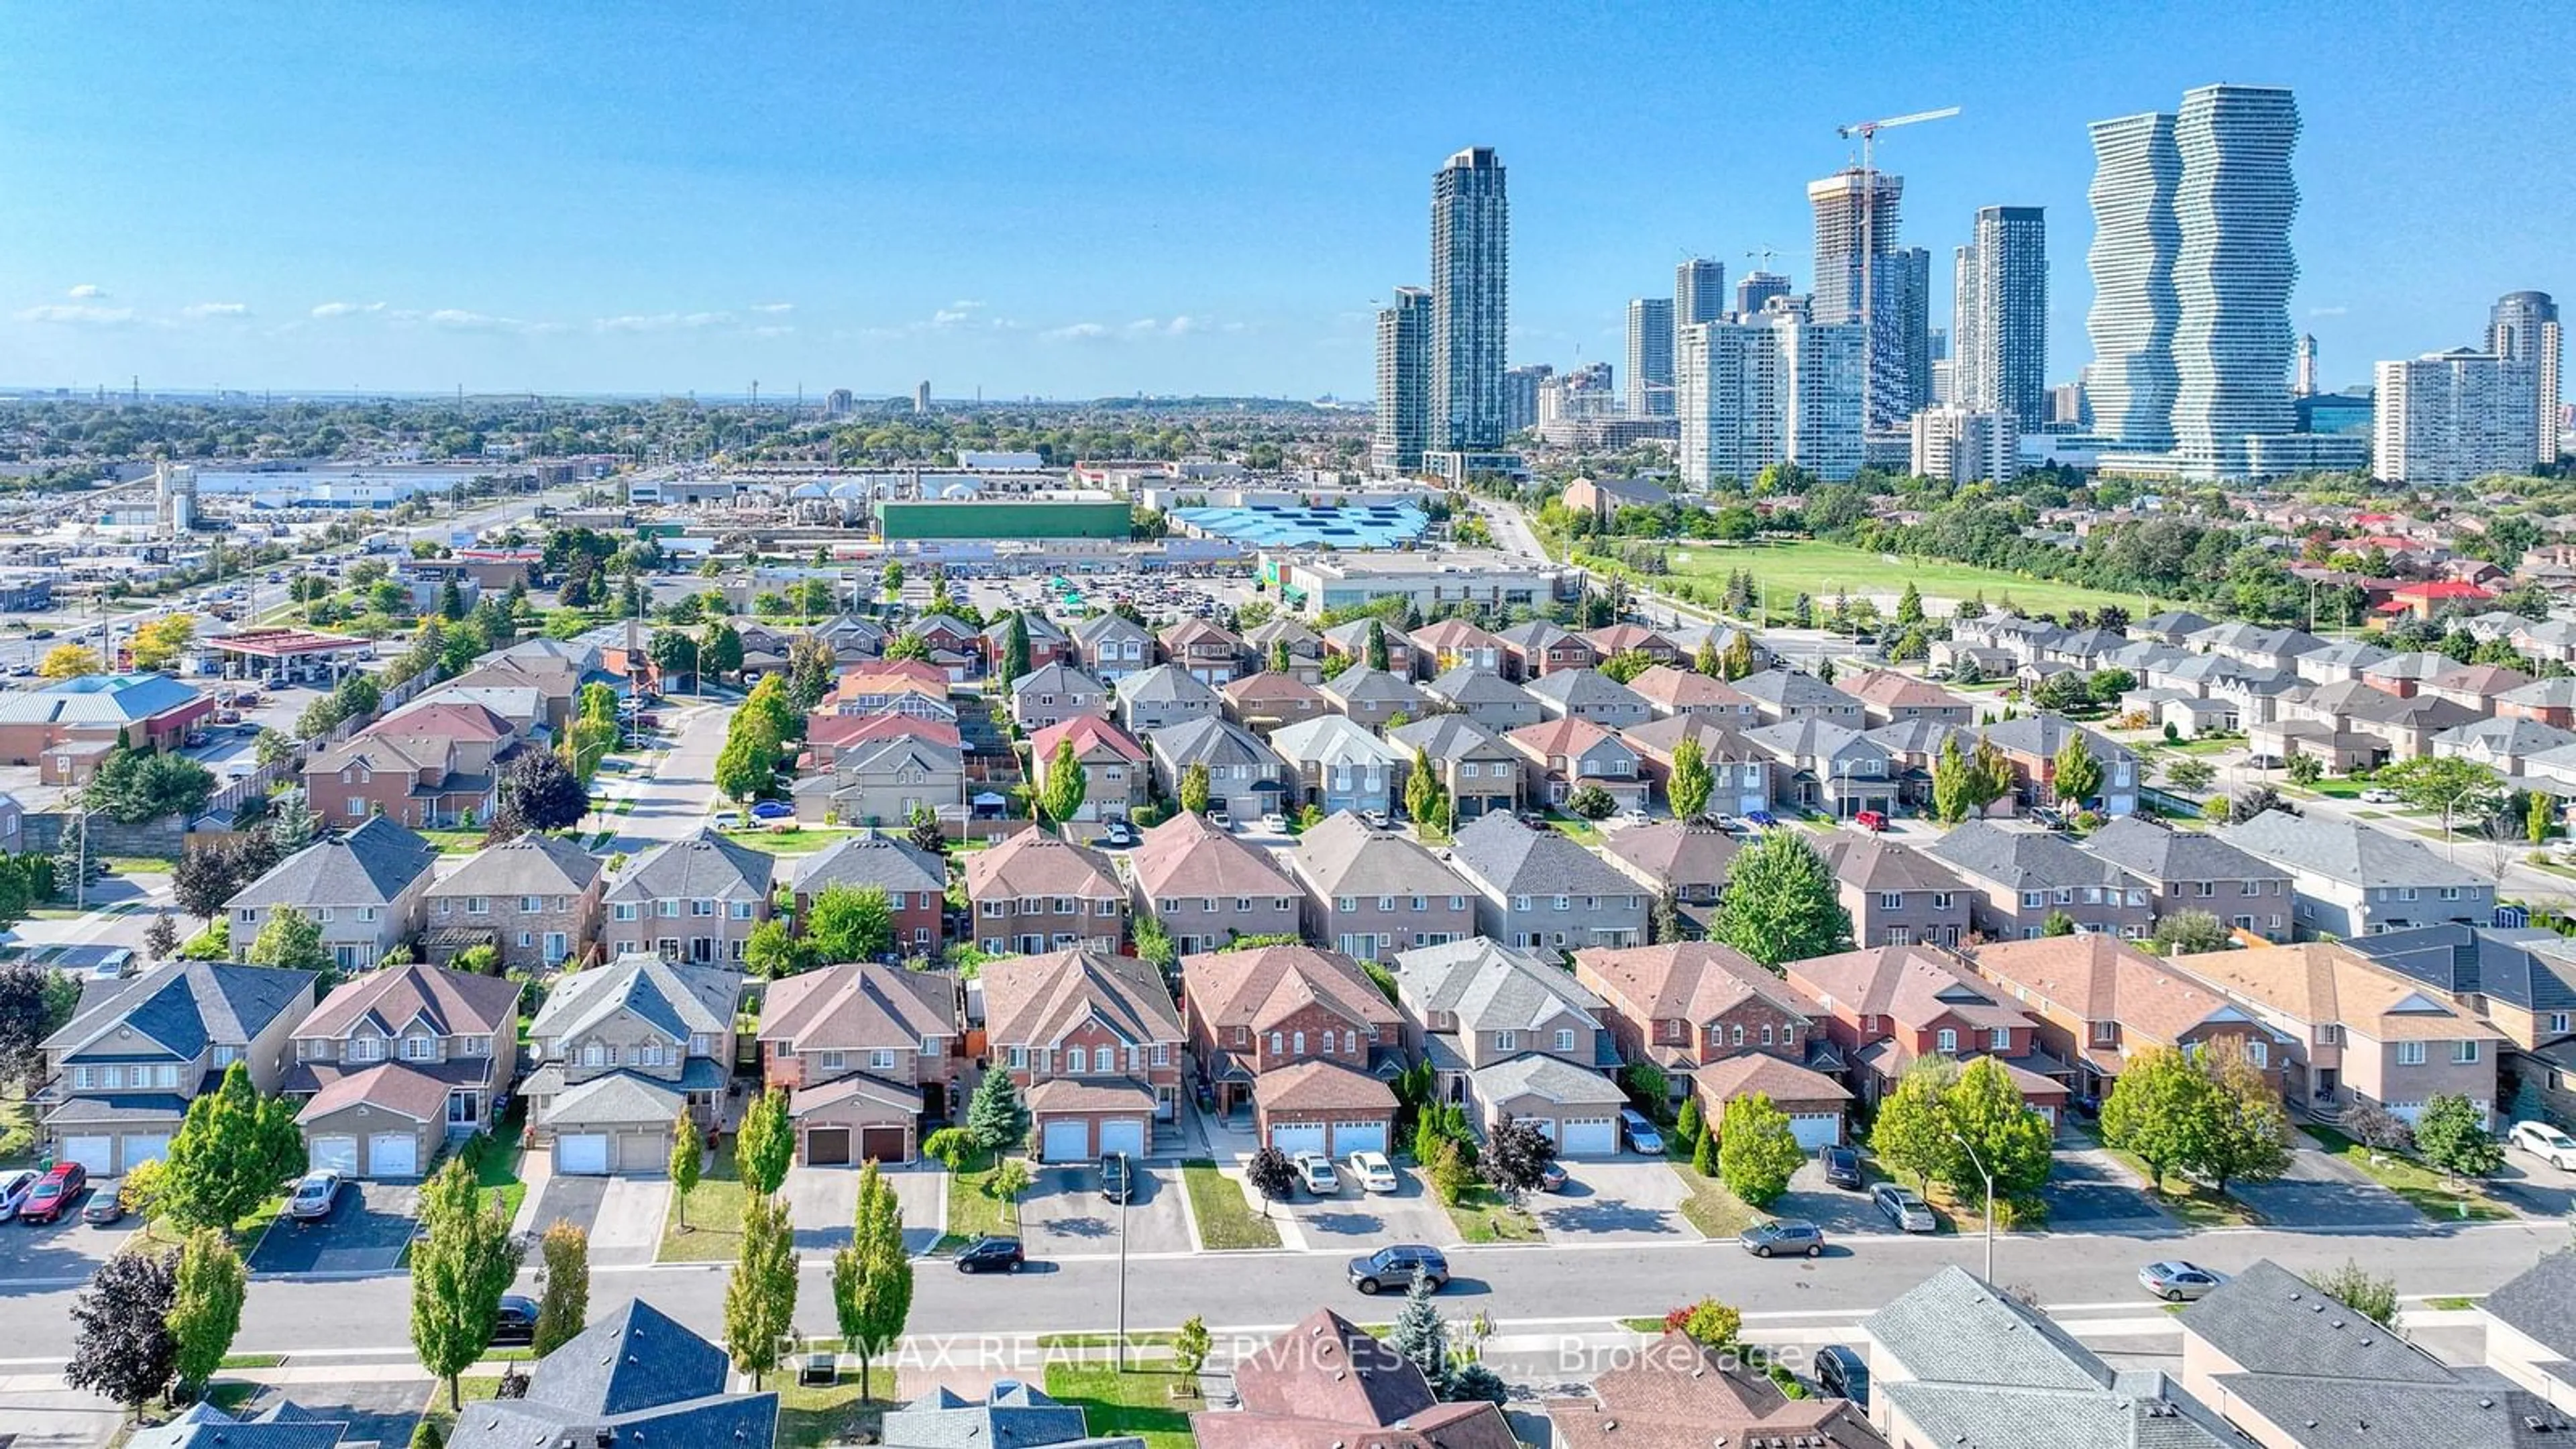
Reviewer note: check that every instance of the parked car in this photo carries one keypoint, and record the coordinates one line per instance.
(1633, 815)
(1760, 819)
(1397, 1266)
(1904, 1208)
(315, 1194)
(1781, 1237)
(2264, 762)
(50, 1198)
(15, 1184)
(1551, 1178)
(1375, 819)
(516, 1323)
(727, 820)
(768, 810)
(2375, 795)
(1117, 1179)
(1274, 823)
(2176, 1281)
(105, 1208)
(1641, 1134)
(1870, 820)
(1372, 1171)
(2544, 1142)
(1117, 833)
(1843, 1373)
(1315, 1170)
(991, 1255)
(1842, 1166)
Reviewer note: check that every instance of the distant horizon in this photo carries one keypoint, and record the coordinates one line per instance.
(575, 200)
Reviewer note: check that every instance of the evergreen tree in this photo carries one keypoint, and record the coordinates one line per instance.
(995, 1117)
(1421, 1337)
(1909, 605)
(1015, 648)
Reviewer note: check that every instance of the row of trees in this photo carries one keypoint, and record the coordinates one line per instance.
(757, 739)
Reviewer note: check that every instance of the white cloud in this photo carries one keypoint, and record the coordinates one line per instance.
(215, 309)
(664, 322)
(773, 308)
(72, 314)
(1078, 332)
(456, 319)
(347, 309)
(967, 305)
(87, 292)
(773, 331)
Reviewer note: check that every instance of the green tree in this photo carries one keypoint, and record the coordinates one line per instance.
(1153, 944)
(2372, 1295)
(2188, 931)
(1194, 788)
(760, 1300)
(2249, 1132)
(462, 1261)
(2539, 812)
(1911, 1134)
(1757, 1149)
(1626, 665)
(2451, 1134)
(2158, 1111)
(1374, 652)
(850, 923)
(1424, 800)
(765, 1143)
(2188, 776)
(2057, 923)
(1191, 1346)
(1983, 1109)
(2079, 776)
(2445, 785)
(743, 767)
(231, 1153)
(1782, 902)
(1590, 802)
(1015, 648)
(720, 652)
(1953, 783)
(565, 1306)
(995, 1117)
(907, 645)
(1708, 1323)
(1692, 782)
(206, 1305)
(772, 951)
(290, 941)
(1066, 784)
(1909, 605)
(1421, 1336)
(872, 1277)
(2306, 771)
(122, 1348)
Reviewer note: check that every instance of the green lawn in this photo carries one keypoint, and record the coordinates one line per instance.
(2450, 1305)
(474, 1388)
(17, 1128)
(714, 1232)
(1713, 1210)
(1226, 1218)
(804, 841)
(499, 1172)
(1484, 1216)
(1820, 570)
(973, 1212)
(453, 842)
(2440, 1198)
(1138, 1402)
(1583, 832)
(1654, 1326)
(2196, 1206)
(809, 1417)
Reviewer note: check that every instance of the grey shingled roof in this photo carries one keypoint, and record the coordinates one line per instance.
(1213, 740)
(2344, 851)
(528, 865)
(1450, 737)
(1953, 1328)
(696, 867)
(1166, 683)
(873, 860)
(1552, 1078)
(2147, 1411)
(1017, 1416)
(1468, 685)
(2540, 1302)
(2023, 859)
(1518, 860)
(2044, 734)
(635, 1373)
(203, 1426)
(369, 866)
(1343, 856)
(681, 998)
(2272, 1321)
(1580, 689)
(186, 1004)
(1490, 986)
(1794, 689)
(2160, 854)
(1057, 678)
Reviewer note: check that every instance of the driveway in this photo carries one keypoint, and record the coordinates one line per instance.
(2533, 1185)
(1841, 1212)
(1065, 1215)
(62, 1252)
(2323, 1192)
(824, 1201)
(1363, 1221)
(366, 1232)
(2089, 1191)
(627, 1228)
(1615, 1201)
(573, 1200)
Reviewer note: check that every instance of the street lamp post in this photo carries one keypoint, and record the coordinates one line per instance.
(1990, 1200)
(1126, 1171)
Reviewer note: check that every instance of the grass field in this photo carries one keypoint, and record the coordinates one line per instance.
(1226, 1220)
(1713, 1210)
(714, 1231)
(1820, 570)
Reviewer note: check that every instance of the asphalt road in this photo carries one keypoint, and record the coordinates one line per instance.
(671, 794)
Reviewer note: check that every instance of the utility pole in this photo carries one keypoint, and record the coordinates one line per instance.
(1955, 1136)
(1126, 1169)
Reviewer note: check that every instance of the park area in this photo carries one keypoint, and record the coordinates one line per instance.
(1822, 570)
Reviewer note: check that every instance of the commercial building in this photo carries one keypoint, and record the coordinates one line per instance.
(1482, 579)
(1963, 445)
(1520, 395)
(1699, 291)
(1403, 382)
(1005, 518)
(1778, 388)
(1755, 291)
(1470, 302)
(2523, 328)
(1650, 357)
(1856, 225)
(2450, 417)
(1999, 320)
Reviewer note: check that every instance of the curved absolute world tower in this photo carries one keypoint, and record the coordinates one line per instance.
(2135, 239)
(2233, 273)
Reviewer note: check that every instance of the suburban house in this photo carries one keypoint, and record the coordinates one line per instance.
(1537, 889)
(2193, 870)
(433, 767)
(1341, 765)
(1896, 895)
(2502, 744)
(1035, 891)
(1678, 1394)
(1053, 693)
(621, 1049)
(1604, 497)
(1012, 1412)
(1372, 698)
(1784, 694)
(1303, 648)
(1163, 697)
(1373, 893)
(1612, 640)
(1887, 1006)
(2521, 981)
(1477, 771)
(1111, 646)
(2530, 1331)
(1455, 644)
(695, 899)
(2348, 880)
(1306, 1036)
(1670, 690)
(1206, 888)
(534, 898)
(1692, 1007)
(1538, 648)
(1094, 1044)
(1485, 697)
(1591, 696)
(1117, 772)
(828, 735)
(2355, 1030)
(634, 1377)
(883, 782)
(1266, 701)
(121, 1072)
(2543, 701)
(1686, 859)
(1207, 652)
(867, 1052)
(1048, 642)
(1564, 755)
(914, 687)
(1327, 1382)
(1821, 765)
(1510, 1036)
(2020, 878)
(1246, 778)
(2098, 1000)
(1887, 696)
(2033, 742)
(397, 1062)
(363, 888)
(1739, 775)
(1346, 646)
(915, 883)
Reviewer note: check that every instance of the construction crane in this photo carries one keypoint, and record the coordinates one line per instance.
(1868, 133)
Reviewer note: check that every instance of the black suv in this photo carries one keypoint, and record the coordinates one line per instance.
(1117, 1179)
(1843, 1373)
(516, 1320)
(1842, 1167)
(1396, 1267)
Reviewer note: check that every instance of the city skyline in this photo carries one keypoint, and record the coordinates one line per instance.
(864, 214)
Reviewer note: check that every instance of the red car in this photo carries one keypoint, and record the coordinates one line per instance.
(1870, 820)
(48, 1200)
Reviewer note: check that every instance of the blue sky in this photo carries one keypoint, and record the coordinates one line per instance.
(1081, 200)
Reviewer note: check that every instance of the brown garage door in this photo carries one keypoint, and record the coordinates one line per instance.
(884, 1144)
(827, 1147)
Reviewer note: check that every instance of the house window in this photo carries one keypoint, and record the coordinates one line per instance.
(2033, 900)
(881, 1059)
(1507, 1041)
(1891, 900)
(1564, 1039)
(478, 905)
(1739, 1035)
(740, 910)
(2105, 1033)
(593, 1055)
(2410, 1054)
(1941, 900)
(2558, 1021)
(530, 905)
(1947, 1042)
(2259, 1053)
(2464, 1052)
(1278, 1043)
(418, 1048)
(700, 1046)
(2000, 1040)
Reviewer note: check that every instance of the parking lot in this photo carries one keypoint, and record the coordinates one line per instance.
(1615, 1201)
(1362, 1221)
(366, 1232)
(822, 1201)
(63, 1251)
(1064, 1213)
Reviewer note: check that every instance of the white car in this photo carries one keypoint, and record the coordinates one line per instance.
(2377, 796)
(2546, 1143)
(1316, 1171)
(14, 1187)
(1274, 823)
(1372, 1171)
(727, 820)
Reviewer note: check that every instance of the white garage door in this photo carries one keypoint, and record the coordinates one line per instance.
(1067, 1141)
(340, 1153)
(1124, 1134)
(1814, 1130)
(1295, 1137)
(582, 1152)
(1588, 1137)
(393, 1154)
(97, 1154)
(1350, 1137)
(140, 1150)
